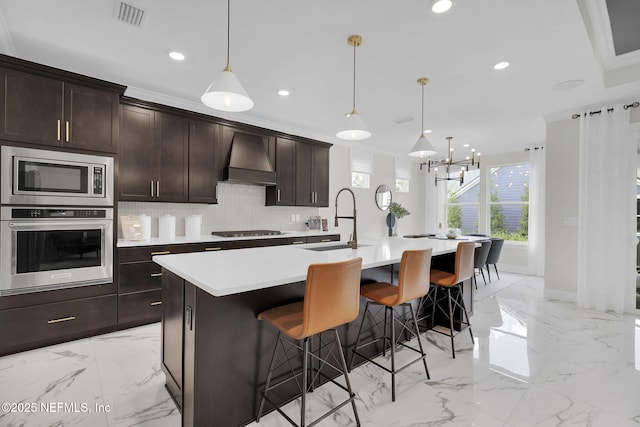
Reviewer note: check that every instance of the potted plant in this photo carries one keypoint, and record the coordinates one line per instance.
(396, 211)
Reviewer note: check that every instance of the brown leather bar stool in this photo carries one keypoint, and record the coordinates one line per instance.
(412, 284)
(331, 299)
(443, 280)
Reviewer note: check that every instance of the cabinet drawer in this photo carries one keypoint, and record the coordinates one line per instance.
(327, 238)
(205, 247)
(296, 240)
(139, 276)
(145, 253)
(29, 327)
(140, 307)
(258, 243)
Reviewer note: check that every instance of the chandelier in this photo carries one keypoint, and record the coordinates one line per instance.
(449, 163)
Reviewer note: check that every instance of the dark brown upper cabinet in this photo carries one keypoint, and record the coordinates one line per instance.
(49, 111)
(312, 175)
(154, 156)
(284, 192)
(204, 161)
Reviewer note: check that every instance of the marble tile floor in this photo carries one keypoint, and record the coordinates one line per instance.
(535, 362)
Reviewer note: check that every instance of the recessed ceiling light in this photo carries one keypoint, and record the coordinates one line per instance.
(501, 65)
(176, 56)
(441, 6)
(465, 145)
(283, 92)
(428, 131)
(568, 84)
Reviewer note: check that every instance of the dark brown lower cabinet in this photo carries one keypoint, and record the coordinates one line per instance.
(145, 306)
(37, 326)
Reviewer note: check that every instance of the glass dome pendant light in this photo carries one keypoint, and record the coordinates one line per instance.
(226, 93)
(422, 147)
(354, 129)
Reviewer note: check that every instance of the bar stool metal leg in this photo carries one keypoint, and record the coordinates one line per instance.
(453, 350)
(353, 354)
(415, 325)
(343, 364)
(393, 357)
(269, 375)
(464, 310)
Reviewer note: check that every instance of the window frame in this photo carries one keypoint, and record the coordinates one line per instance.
(489, 203)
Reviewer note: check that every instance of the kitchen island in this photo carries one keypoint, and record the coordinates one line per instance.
(215, 353)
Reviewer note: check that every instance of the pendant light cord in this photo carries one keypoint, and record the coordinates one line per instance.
(422, 118)
(354, 77)
(228, 30)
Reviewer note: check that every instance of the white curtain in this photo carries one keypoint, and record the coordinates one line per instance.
(535, 245)
(606, 224)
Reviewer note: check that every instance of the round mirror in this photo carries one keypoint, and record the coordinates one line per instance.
(383, 197)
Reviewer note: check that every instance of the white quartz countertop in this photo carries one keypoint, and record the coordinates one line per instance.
(155, 241)
(230, 272)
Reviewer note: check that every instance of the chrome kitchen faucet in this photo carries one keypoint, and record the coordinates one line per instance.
(353, 240)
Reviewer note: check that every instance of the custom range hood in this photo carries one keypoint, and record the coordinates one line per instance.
(249, 162)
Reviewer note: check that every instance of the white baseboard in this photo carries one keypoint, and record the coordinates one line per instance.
(553, 294)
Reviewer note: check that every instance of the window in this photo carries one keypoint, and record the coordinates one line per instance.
(402, 185)
(463, 202)
(361, 168)
(509, 202)
(403, 174)
(360, 180)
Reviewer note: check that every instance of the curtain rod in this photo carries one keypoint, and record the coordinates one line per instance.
(609, 110)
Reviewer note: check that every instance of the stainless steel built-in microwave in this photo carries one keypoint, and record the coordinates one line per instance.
(41, 177)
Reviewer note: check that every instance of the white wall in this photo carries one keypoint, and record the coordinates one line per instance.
(241, 207)
(371, 220)
(561, 212)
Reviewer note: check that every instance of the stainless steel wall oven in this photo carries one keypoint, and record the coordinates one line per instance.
(49, 248)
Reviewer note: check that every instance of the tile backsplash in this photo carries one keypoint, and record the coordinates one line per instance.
(240, 207)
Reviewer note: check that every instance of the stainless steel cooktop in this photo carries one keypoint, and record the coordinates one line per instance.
(246, 233)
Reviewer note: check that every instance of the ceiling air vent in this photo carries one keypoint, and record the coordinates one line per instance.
(402, 120)
(130, 14)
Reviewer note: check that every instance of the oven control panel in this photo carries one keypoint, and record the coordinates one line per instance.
(38, 213)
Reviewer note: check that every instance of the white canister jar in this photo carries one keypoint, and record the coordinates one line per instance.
(192, 225)
(167, 227)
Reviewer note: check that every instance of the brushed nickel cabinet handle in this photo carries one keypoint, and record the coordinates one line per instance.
(66, 132)
(158, 188)
(299, 242)
(156, 303)
(312, 197)
(160, 253)
(278, 195)
(215, 192)
(212, 249)
(62, 319)
(326, 240)
(58, 130)
(151, 188)
(155, 274)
